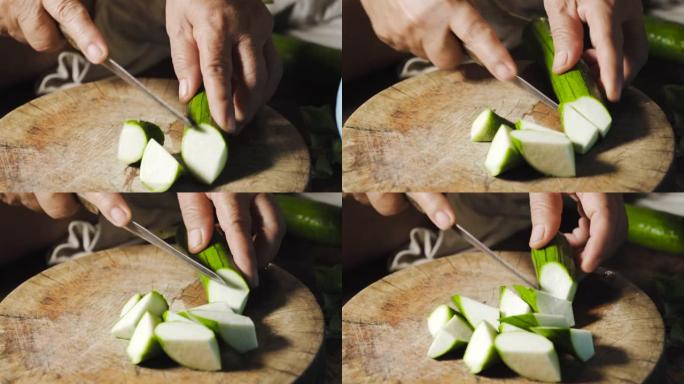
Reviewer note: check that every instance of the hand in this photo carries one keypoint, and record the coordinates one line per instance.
(616, 29)
(434, 205)
(253, 225)
(435, 29)
(64, 205)
(601, 229)
(36, 22)
(226, 45)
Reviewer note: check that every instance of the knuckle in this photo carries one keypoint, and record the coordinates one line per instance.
(69, 11)
(477, 30)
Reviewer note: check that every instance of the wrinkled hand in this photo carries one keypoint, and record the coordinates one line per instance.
(616, 30)
(253, 225)
(434, 205)
(36, 22)
(226, 45)
(435, 29)
(601, 229)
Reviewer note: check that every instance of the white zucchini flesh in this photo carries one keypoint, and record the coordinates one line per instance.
(511, 304)
(546, 303)
(578, 342)
(191, 345)
(475, 312)
(548, 153)
(529, 355)
(235, 330)
(130, 304)
(527, 125)
(152, 302)
(133, 140)
(205, 152)
(594, 111)
(502, 154)
(439, 317)
(235, 292)
(480, 352)
(454, 334)
(217, 306)
(529, 320)
(579, 130)
(555, 279)
(505, 327)
(173, 316)
(143, 344)
(158, 169)
(485, 126)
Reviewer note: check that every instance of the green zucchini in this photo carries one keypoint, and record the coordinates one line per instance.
(665, 39)
(204, 148)
(311, 220)
(486, 125)
(583, 114)
(555, 268)
(134, 136)
(653, 229)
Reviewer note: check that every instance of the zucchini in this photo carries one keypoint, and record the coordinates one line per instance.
(130, 304)
(502, 154)
(578, 342)
(547, 152)
(555, 268)
(528, 320)
(153, 302)
(235, 330)
(530, 355)
(546, 303)
(189, 344)
(486, 125)
(158, 169)
(480, 352)
(143, 344)
(476, 312)
(454, 334)
(134, 137)
(583, 114)
(511, 304)
(439, 317)
(311, 220)
(653, 229)
(204, 148)
(665, 39)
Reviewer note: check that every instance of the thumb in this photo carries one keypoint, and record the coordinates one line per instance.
(545, 211)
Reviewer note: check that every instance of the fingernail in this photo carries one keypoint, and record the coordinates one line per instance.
(183, 89)
(443, 220)
(502, 71)
(94, 53)
(118, 216)
(537, 233)
(194, 238)
(560, 60)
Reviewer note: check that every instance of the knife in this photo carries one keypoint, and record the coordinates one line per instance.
(147, 235)
(521, 83)
(126, 76)
(485, 249)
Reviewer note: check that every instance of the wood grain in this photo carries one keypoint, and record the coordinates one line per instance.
(55, 326)
(415, 136)
(67, 141)
(385, 336)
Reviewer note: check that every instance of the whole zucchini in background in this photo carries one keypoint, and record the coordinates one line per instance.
(311, 220)
(653, 229)
(665, 39)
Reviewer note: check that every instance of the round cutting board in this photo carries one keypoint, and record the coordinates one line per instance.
(415, 136)
(55, 326)
(385, 336)
(67, 141)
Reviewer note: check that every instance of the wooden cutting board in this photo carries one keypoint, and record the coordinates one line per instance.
(415, 136)
(385, 336)
(67, 141)
(55, 326)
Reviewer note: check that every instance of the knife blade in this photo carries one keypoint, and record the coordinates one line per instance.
(472, 240)
(121, 72)
(147, 235)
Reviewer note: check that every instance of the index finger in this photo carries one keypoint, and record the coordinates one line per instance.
(606, 36)
(76, 22)
(217, 67)
(437, 207)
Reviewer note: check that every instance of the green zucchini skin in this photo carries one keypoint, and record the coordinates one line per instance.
(665, 39)
(198, 110)
(656, 230)
(215, 256)
(311, 220)
(570, 85)
(558, 250)
(151, 130)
